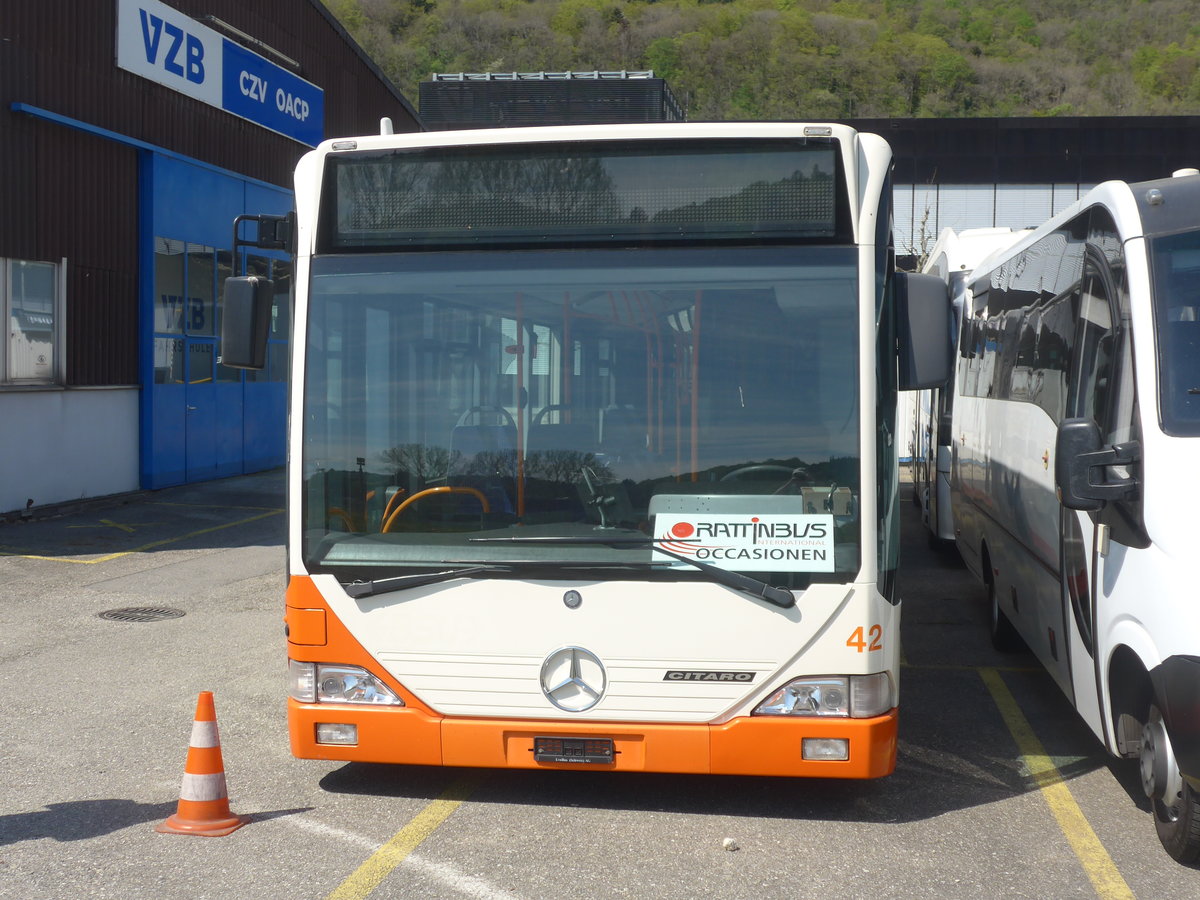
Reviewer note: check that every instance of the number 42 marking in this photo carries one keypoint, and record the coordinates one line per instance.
(859, 642)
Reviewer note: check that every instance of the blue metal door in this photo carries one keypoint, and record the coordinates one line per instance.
(202, 420)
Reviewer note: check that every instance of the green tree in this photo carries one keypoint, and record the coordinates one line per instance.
(816, 58)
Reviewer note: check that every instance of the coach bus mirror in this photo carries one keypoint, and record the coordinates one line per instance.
(245, 322)
(1081, 466)
(923, 323)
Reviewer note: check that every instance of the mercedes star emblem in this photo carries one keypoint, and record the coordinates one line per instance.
(573, 679)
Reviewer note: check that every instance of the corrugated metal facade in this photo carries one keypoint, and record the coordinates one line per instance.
(67, 193)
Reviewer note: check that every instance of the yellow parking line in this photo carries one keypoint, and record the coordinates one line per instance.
(1096, 862)
(144, 547)
(384, 861)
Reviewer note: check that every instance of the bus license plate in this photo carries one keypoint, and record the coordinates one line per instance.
(594, 751)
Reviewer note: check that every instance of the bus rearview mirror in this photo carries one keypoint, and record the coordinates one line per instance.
(923, 331)
(246, 321)
(1081, 466)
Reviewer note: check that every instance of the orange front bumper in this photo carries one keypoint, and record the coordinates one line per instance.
(759, 745)
(415, 735)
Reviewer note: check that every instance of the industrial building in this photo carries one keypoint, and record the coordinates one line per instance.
(132, 133)
(1018, 172)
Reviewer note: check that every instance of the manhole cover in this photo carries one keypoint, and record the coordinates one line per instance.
(141, 614)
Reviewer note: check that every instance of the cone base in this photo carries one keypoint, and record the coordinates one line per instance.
(202, 828)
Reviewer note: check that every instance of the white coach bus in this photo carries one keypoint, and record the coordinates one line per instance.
(592, 448)
(1079, 372)
(952, 259)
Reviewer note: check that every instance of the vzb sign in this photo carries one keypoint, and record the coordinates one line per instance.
(160, 43)
(181, 54)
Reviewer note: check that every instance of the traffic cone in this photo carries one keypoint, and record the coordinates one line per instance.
(203, 799)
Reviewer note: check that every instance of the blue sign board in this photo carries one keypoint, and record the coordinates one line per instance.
(162, 44)
(265, 93)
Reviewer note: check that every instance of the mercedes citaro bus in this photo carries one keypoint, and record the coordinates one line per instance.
(592, 447)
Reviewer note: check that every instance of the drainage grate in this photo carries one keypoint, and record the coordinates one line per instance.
(141, 614)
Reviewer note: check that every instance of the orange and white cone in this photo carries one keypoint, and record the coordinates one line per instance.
(203, 799)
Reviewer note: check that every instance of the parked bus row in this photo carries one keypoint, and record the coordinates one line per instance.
(952, 259)
(1069, 441)
(593, 451)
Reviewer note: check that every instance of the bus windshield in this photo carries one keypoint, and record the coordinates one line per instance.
(1177, 319)
(658, 392)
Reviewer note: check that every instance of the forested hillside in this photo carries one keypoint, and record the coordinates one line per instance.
(771, 59)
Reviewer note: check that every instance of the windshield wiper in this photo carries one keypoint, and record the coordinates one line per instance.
(760, 589)
(357, 589)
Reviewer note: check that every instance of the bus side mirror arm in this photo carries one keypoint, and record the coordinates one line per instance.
(247, 301)
(272, 233)
(1078, 453)
(924, 327)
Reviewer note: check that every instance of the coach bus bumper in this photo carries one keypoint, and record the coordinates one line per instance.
(751, 745)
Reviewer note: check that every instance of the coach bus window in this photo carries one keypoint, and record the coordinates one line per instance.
(1176, 262)
(1053, 354)
(1094, 350)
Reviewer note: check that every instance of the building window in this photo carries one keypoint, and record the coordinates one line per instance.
(189, 282)
(32, 303)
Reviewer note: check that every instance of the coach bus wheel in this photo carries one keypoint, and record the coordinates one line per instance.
(1004, 636)
(1179, 826)
(1176, 806)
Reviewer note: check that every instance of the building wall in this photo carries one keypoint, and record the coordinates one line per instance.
(58, 446)
(1060, 150)
(1018, 172)
(59, 55)
(923, 210)
(85, 145)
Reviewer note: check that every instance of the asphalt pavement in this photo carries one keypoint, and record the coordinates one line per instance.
(115, 615)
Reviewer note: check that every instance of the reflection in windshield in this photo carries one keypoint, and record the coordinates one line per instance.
(449, 396)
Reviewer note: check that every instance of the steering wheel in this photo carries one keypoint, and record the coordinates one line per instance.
(445, 489)
(486, 407)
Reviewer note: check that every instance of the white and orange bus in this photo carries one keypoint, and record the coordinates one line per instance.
(593, 456)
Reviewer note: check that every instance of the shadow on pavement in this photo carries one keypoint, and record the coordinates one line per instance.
(246, 510)
(79, 820)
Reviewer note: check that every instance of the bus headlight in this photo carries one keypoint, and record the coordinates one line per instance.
(320, 683)
(854, 696)
(809, 697)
